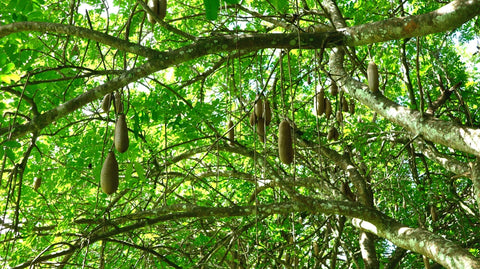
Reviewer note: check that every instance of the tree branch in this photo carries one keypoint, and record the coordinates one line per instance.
(446, 18)
(475, 176)
(452, 15)
(47, 27)
(451, 164)
(435, 247)
(438, 131)
(367, 241)
(418, 240)
(442, 99)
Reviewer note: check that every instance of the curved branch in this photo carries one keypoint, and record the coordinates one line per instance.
(443, 251)
(146, 249)
(451, 15)
(444, 19)
(47, 27)
(432, 129)
(60, 253)
(451, 164)
(164, 60)
(165, 25)
(435, 247)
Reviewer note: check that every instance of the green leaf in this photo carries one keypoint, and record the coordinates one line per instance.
(12, 144)
(281, 5)
(97, 171)
(140, 171)
(10, 154)
(211, 8)
(232, 1)
(3, 58)
(128, 172)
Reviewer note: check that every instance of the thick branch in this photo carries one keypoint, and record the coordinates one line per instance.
(435, 247)
(166, 59)
(419, 240)
(47, 27)
(438, 131)
(475, 176)
(444, 19)
(450, 16)
(451, 164)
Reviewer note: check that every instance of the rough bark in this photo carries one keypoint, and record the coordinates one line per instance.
(443, 19)
(437, 248)
(367, 248)
(367, 241)
(421, 241)
(458, 137)
(432, 129)
(451, 164)
(475, 177)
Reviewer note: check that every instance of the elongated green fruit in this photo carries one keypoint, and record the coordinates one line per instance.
(267, 113)
(121, 134)
(334, 89)
(330, 133)
(344, 104)
(285, 143)
(339, 116)
(261, 129)
(109, 174)
(433, 213)
(118, 103)
(333, 134)
(106, 103)
(320, 102)
(337, 135)
(316, 249)
(372, 76)
(253, 118)
(259, 108)
(328, 108)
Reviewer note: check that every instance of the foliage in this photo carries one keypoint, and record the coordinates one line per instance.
(180, 170)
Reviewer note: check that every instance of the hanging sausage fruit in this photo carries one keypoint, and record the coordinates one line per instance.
(121, 134)
(109, 174)
(285, 143)
(231, 132)
(320, 102)
(372, 77)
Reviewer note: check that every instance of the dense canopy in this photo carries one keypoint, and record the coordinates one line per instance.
(239, 134)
